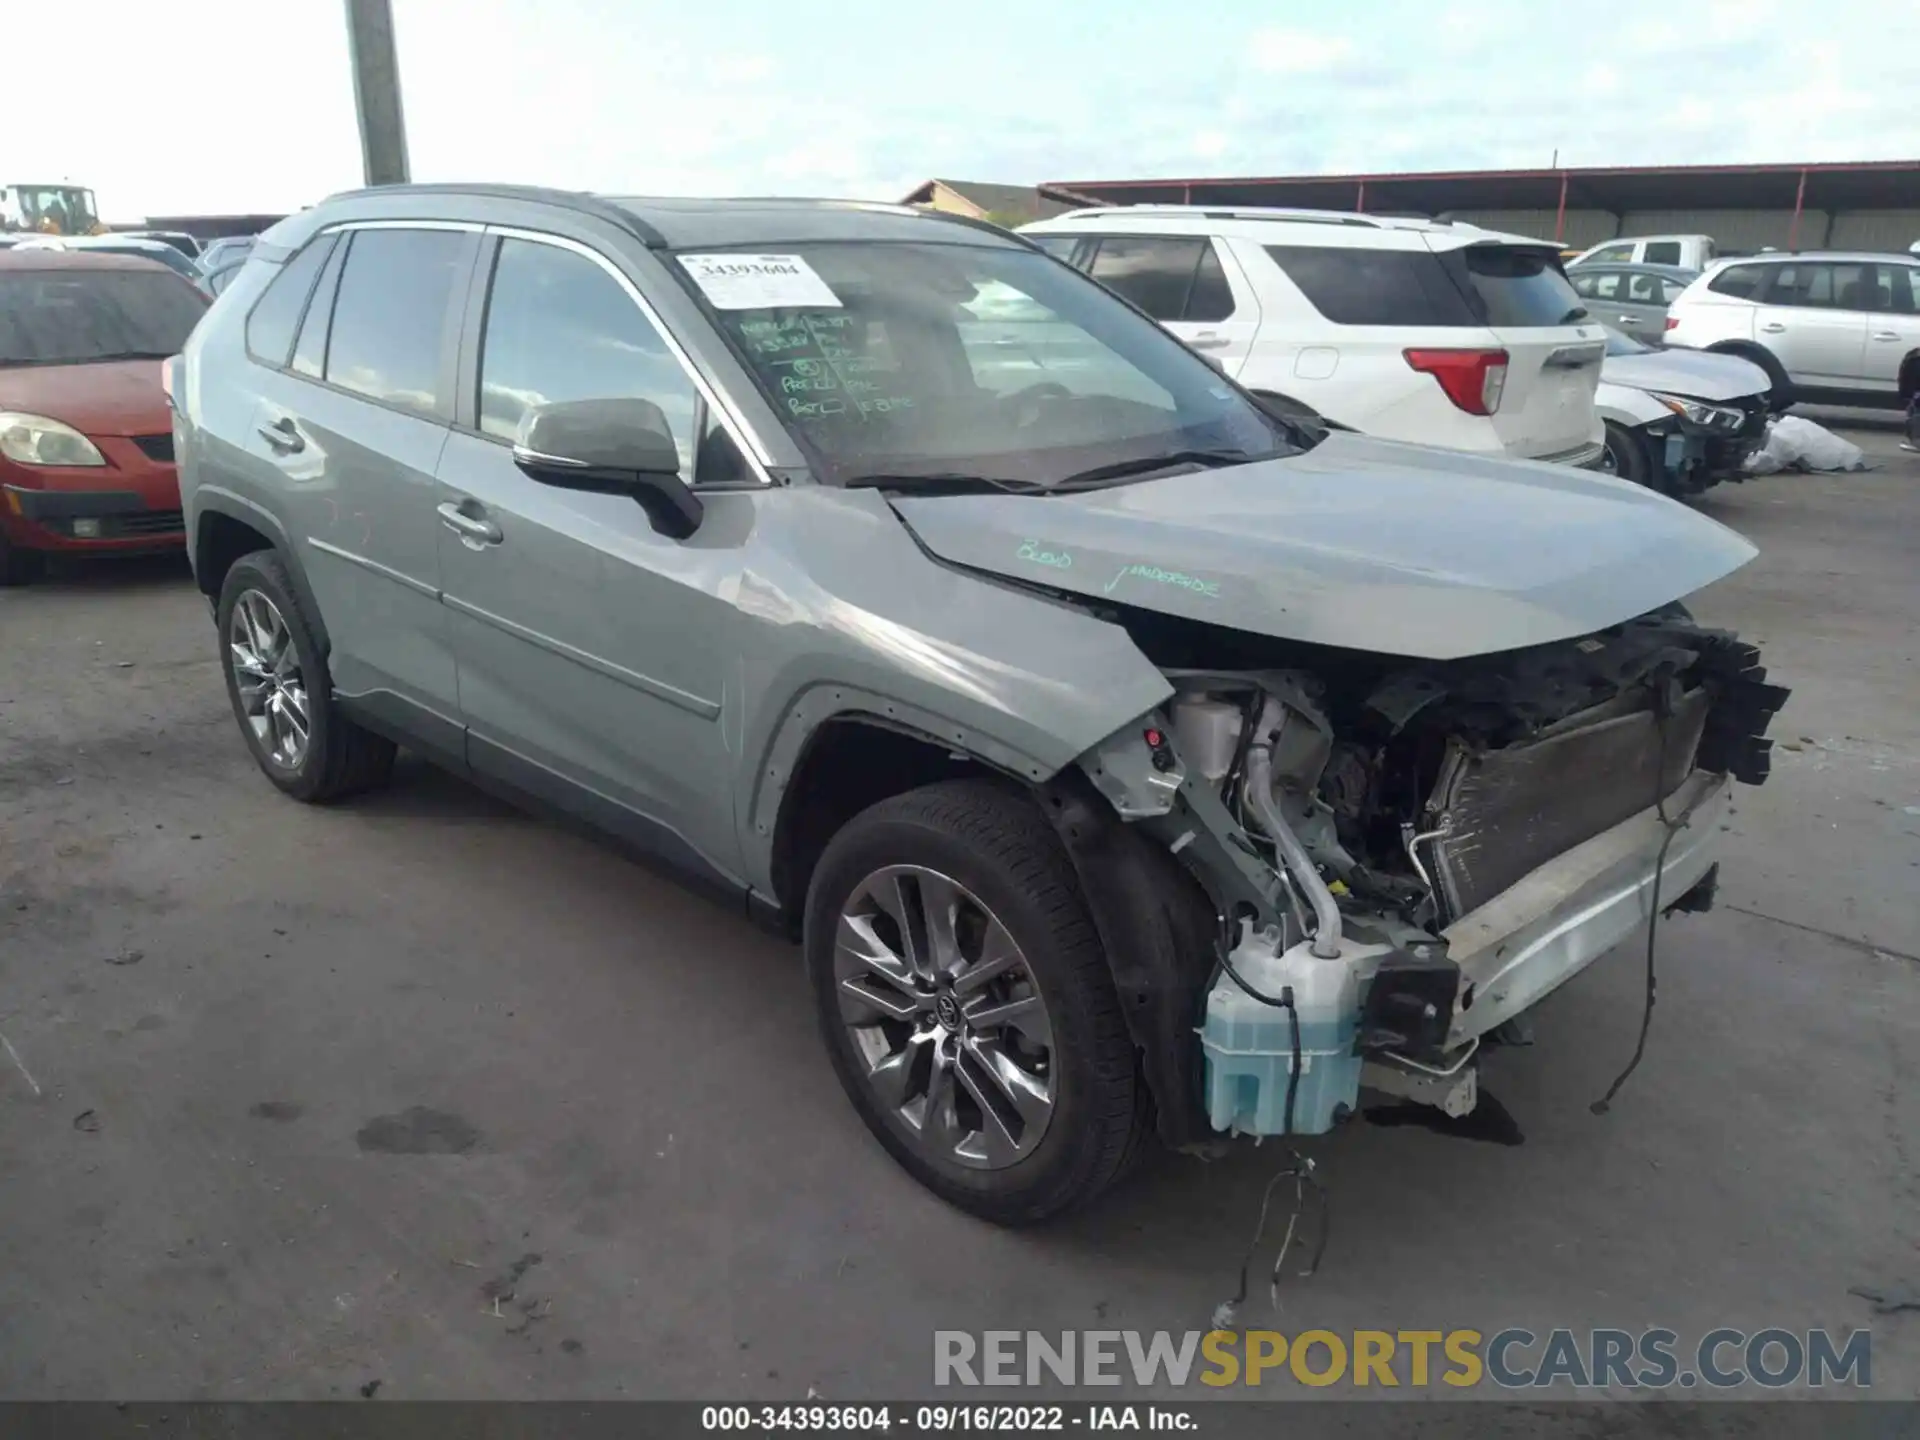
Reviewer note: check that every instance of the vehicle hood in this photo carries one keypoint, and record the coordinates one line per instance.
(1695, 374)
(119, 397)
(1359, 543)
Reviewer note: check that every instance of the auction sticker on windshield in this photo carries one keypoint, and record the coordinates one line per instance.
(758, 282)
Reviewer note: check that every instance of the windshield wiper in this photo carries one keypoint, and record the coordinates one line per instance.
(1121, 469)
(943, 480)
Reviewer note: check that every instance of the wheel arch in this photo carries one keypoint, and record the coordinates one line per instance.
(827, 768)
(1909, 376)
(226, 527)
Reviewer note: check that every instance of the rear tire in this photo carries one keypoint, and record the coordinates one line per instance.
(18, 566)
(1780, 392)
(322, 755)
(990, 847)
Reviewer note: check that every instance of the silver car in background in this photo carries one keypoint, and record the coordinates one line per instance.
(1632, 299)
(1680, 421)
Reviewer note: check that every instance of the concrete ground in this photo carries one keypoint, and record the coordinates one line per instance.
(421, 1092)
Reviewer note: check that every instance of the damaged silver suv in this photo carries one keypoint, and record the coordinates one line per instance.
(1128, 759)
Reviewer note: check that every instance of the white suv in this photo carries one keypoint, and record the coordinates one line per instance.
(1839, 328)
(1406, 329)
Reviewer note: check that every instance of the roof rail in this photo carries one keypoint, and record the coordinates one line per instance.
(584, 201)
(1239, 212)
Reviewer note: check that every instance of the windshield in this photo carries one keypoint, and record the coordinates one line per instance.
(65, 317)
(1515, 286)
(933, 362)
(67, 207)
(1618, 344)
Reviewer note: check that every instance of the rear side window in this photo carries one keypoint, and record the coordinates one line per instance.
(1060, 246)
(276, 314)
(1515, 287)
(1374, 287)
(310, 350)
(1170, 278)
(390, 316)
(1739, 281)
(1819, 287)
(1611, 252)
(1662, 252)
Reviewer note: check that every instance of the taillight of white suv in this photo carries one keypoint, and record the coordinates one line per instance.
(1473, 379)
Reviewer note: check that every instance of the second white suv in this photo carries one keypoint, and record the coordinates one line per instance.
(1835, 328)
(1411, 330)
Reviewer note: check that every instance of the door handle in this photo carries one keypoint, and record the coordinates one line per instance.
(1773, 327)
(1885, 335)
(469, 527)
(1209, 341)
(1626, 319)
(283, 437)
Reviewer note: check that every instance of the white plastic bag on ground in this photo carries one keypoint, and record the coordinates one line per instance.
(1796, 444)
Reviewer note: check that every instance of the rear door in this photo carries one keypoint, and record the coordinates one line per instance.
(1813, 316)
(1893, 330)
(353, 416)
(1189, 285)
(1553, 341)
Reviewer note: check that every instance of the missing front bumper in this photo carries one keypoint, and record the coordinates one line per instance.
(1549, 926)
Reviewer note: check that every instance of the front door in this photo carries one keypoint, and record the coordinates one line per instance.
(1643, 306)
(1610, 299)
(595, 664)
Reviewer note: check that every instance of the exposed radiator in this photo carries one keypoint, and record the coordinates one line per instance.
(1505, 813)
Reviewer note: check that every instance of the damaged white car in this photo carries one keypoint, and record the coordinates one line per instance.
(1128, 759)
(1680, 421)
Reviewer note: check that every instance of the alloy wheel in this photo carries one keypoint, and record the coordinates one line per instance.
(266, 673)
(945, 1017)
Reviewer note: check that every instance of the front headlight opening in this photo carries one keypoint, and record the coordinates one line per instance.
(40, 440)
(1711, 417)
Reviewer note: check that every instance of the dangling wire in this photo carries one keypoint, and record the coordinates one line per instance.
(1664, 704)
(1308, 1194)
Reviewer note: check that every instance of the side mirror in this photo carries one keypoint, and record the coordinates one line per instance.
(611, 447)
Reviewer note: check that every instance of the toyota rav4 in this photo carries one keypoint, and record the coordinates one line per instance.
(1127, 758)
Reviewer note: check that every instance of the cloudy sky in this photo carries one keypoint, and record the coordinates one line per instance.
(247, 105)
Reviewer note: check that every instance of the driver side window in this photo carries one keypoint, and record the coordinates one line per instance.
(560, 327)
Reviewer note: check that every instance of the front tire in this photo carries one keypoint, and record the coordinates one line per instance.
(281, 692)
(1626, 456)
(18, 566)
(967, 1005)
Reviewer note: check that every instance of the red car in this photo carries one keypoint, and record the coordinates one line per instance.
(86, 433)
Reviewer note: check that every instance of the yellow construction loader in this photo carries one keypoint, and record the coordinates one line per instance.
(49, 210)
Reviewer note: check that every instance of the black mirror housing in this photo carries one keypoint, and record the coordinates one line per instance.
(611, 447)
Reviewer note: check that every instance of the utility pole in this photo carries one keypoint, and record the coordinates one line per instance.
(376, 92)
